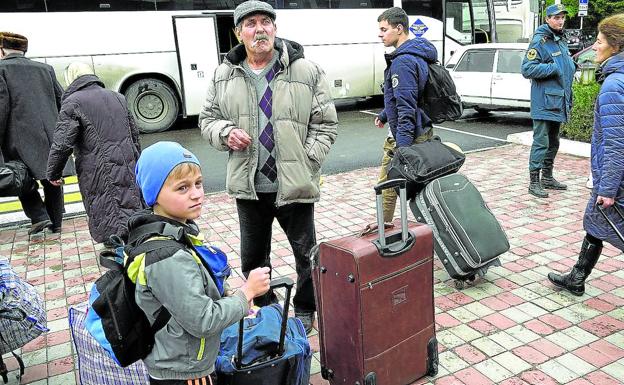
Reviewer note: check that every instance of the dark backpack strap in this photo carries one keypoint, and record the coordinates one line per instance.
(161, 320)
(163, 316)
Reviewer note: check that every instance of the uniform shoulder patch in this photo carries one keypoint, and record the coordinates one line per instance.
(395, 80)
(531, 54)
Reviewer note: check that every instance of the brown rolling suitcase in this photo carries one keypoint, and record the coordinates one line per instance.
(374, 296)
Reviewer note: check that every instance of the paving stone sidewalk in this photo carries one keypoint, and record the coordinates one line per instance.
(511, 327)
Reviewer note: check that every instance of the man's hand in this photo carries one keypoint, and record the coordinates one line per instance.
(56, 183)
(257, 283)
(605, 202)
(378, 122)
(238, 139)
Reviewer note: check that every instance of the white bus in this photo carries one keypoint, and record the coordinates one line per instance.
(162, 53)
(515, 23)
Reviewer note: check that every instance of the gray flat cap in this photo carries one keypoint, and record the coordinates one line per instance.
(252, 6)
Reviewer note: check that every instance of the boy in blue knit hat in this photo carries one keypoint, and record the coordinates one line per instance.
(174, 278)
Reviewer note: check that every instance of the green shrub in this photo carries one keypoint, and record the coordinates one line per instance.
(581, 122)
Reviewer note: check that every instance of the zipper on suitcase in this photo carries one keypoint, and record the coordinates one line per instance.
(469, 260)
(395, 273)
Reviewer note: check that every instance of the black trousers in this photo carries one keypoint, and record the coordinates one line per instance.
(35, 208)
(297, 221)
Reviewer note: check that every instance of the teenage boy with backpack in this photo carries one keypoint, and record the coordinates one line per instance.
(173, 277)
(404, 78)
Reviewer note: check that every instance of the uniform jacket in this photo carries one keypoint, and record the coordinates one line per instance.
(173, 277)
(304, 123)
(404, 79)
(607, 152)
(30, 97)
(551, 69)
(94, 124)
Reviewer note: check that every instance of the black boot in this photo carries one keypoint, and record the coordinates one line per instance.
(535, 187)
(548, 181)
(574, 282)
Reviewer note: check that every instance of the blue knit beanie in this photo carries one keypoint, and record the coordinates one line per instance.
(155, 164)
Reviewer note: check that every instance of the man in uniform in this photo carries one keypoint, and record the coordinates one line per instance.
(551, 69)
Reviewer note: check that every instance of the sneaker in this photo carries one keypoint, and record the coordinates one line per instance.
(307, 319)
(39, 227)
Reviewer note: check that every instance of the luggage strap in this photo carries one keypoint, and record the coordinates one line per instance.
(4, 372)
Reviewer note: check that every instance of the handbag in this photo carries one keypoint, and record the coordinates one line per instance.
(15, 179)
(423, 162)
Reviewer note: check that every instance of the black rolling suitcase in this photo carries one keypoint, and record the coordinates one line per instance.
(467, 237)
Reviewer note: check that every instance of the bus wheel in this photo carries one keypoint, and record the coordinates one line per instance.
(153, 104)
(482, 111)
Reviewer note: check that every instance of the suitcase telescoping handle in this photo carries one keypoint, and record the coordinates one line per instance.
(609, 221)
(277, 283)
(407, 239)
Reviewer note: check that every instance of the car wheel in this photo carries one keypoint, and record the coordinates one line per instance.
(482, 111)
(153, 104)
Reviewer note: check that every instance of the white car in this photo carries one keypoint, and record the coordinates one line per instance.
(488, 76)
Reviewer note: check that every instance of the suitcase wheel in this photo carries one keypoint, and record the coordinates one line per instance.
(460, 284)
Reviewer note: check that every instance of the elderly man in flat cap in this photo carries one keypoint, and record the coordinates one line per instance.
(271, 109)
(27, 121)
(551, 69)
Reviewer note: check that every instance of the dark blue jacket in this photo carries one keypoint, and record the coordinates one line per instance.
(551, 69)
(607, 152)
(404, 79)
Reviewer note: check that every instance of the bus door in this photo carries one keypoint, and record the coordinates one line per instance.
(198, 56)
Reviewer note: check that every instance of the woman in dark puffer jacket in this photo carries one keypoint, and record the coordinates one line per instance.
(607, 157)
(95, 124)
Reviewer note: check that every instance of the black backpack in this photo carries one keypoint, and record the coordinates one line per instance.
(439, 99)
(114, 319)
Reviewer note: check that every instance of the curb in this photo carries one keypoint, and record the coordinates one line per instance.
(566, 146)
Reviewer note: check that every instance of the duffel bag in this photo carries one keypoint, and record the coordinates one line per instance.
(423, 162)
(22, 315)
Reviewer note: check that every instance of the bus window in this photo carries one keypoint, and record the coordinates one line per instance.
(193, 5)
(460, 19)
(431, 8)
(99, 5)
(360, 4)
(22, 6)
(299, 4)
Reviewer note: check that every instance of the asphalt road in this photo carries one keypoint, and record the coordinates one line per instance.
(359, 142)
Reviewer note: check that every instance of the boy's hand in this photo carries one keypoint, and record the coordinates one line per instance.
(257, 283)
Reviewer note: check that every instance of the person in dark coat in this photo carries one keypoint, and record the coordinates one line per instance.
(30, 97)
(405, 77)
(95, 124)
(607, 157)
